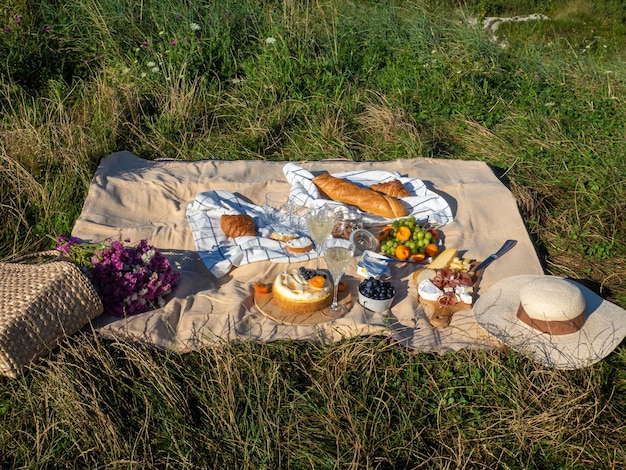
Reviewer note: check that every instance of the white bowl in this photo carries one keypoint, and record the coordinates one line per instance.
(375, 305)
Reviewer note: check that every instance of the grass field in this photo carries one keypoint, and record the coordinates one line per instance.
(543, 104)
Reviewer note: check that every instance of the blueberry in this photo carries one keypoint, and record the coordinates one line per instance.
(378, 289)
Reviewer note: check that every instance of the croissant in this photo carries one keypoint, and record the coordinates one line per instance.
(365, 199)
(238, 225)
(393, 188)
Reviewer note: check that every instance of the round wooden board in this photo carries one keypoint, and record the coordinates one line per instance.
(266, 305)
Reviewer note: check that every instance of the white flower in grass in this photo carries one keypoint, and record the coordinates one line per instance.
(270, 41)
(154, 69)
(150, 64)
(195, 27)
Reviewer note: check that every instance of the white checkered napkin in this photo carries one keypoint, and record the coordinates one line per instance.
(221, 253)
(423, 205)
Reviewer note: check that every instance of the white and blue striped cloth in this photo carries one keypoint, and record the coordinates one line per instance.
(221, 253)
(424, 205)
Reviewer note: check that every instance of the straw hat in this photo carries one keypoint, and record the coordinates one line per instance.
(555, 321)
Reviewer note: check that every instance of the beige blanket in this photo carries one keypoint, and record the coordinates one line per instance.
(148, 199)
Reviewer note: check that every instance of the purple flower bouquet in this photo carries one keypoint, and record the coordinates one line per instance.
(129, 279)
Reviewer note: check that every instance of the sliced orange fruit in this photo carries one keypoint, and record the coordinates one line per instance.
(432, 249)
(403, 252)
(262, 288)
(418, 257)
(403, 233)
(317, 282)
(343, 285)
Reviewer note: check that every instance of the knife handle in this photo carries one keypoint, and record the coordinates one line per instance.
(491, 258)
(506, 247)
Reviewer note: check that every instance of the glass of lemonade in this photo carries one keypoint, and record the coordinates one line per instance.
(320, 222)
(338, 253)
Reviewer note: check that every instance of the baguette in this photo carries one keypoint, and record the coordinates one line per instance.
(364, 198)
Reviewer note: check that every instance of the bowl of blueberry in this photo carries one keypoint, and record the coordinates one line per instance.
(376, 294)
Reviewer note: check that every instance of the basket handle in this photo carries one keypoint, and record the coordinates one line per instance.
(58, 256)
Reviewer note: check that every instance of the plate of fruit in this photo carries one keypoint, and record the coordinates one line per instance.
(410, 241)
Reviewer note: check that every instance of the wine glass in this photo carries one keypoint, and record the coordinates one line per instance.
(278, 208)
(320, 222)
(338, 253)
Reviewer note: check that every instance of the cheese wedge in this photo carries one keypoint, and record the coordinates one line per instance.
(443, 259)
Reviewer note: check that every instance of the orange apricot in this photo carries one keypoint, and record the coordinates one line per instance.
(262, 288)
(403, 233)
(317, 282)
(432, 249)
(402, 252)
(384, 233)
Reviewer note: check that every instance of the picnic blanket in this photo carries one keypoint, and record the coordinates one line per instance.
(151, 199)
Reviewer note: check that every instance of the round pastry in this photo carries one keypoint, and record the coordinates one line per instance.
(302, 290)
(299, 245)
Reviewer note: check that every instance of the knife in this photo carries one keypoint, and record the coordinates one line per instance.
(490, 259)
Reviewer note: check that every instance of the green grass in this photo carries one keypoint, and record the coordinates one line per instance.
(361, 80)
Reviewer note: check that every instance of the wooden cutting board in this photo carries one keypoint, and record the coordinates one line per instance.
(440, 316)
(266, 305)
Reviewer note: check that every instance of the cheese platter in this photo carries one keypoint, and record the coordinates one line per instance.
(449, 283)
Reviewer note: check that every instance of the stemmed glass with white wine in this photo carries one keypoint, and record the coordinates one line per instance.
(320, 221)
(338, 253)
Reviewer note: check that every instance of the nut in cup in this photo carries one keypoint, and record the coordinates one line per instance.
(346, 222)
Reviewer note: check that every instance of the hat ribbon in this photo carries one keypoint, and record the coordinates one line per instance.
(552, 327)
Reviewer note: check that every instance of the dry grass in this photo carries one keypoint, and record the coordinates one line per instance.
(356, 404)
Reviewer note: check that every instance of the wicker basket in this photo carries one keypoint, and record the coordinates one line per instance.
(41, 302)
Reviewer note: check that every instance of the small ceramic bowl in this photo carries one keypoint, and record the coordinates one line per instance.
(375, 305)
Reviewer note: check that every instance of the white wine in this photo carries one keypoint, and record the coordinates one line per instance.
(320, 227)
(337, 259)
(320, 222)
(338, 253)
